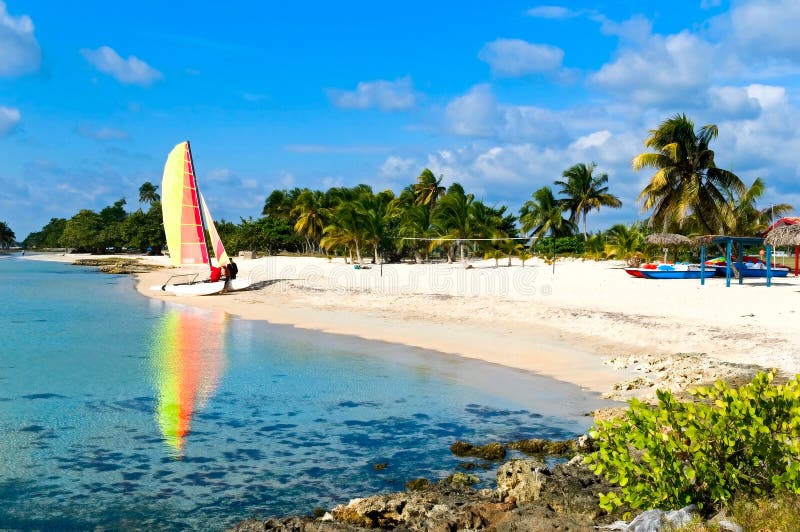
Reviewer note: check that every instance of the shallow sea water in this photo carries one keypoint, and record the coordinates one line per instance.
(117, 411)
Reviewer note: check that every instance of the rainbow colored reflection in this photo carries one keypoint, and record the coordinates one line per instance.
(189, 359)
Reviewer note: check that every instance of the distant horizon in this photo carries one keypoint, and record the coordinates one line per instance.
(502, 99)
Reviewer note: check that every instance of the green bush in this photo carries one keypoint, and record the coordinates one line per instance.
(730, 441)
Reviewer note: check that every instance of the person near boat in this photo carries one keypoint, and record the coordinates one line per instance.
(233, 269)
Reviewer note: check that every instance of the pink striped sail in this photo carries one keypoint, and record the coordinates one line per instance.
(180, 202)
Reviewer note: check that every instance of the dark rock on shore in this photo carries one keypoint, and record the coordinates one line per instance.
(117, 265)
(530, 497)
(490, 451)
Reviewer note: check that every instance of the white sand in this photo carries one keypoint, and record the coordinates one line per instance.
(568, 324)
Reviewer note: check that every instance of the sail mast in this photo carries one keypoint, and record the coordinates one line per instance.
(197, 188)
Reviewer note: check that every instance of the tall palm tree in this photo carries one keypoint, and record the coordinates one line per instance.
(312, 216)
(345, 229)
(455, 218)
(415, 222)
(748, 219)
(374, 212)
(7, 236)
(148, 194)
(543, 213)
(687, 180)
(428, 189)
(585, 192)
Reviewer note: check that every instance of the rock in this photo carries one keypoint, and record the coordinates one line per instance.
(490, 451)
(656, 520)
(537, 446)
(521, 479)
(723, 521)
(380, 466)
(417, 484)
(462, 478)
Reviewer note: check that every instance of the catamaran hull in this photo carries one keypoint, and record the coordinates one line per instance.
(202, 289)
(744, 271)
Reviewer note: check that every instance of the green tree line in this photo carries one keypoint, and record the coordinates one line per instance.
(687, 194)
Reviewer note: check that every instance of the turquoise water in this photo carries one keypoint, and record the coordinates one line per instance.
(117, 411)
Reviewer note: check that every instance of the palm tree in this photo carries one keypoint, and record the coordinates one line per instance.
(148, 194)
(312, 216)
(7, 236)
(748, 219)
(415, 222)
(523, 254)
(455, 218)
(585, 192)
(495, 254)
(345, 229)
(543, 213)
(374, 212)
(687, 180)
(625, 243)
(427, 189)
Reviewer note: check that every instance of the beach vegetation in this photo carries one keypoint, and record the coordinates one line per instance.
(583, 192)
(687, 183)
(625, 242)
(747, 218)
(725, 443)
(428, 189)
(148, 193)
(49, 237)
(7, 236)
(543, 214)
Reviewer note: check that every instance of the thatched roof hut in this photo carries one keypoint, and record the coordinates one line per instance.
(668, 239)
(784, 235)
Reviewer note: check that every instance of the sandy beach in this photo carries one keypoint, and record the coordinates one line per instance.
(586, 323)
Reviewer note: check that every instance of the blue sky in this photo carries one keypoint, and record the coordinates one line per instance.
(501, 98)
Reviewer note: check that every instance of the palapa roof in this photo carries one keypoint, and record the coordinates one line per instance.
(784, 235)
(668, 239)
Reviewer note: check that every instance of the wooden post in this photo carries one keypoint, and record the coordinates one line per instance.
(728, 253)
(769, 265)
(703, 264)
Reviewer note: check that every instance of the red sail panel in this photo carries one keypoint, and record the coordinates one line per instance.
(193, 240)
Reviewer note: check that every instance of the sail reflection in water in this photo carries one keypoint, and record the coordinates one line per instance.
(188, 360)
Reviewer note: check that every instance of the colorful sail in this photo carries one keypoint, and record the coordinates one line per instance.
(216, 242)
(188, 360)
(183, 221)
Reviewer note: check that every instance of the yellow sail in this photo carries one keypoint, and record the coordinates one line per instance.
(180, 207)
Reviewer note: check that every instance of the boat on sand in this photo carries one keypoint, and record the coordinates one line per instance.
(187, 220)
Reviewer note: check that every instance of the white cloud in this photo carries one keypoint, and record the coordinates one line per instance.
(9, 118)
(19, 51)
(767, 29)
(102, 133)
(478, 114)
(663, 70)
(397, 168)
(131, 71)
(385, 95)
(474, 114)
(552, 12)
(709, 4)
(598, 138)
(515, 57)
(767, 96)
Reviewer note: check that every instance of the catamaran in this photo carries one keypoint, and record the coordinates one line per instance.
(186, 222)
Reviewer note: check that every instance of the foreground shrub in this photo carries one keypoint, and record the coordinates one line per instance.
(744, 441)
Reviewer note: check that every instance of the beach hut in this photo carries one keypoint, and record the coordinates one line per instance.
(786, 235)
(728, 242)
(667, 240)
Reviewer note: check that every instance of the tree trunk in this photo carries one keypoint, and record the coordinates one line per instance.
(461, 250)
(417, 257)
(585, 234)
(358, 253)
(375, 252)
